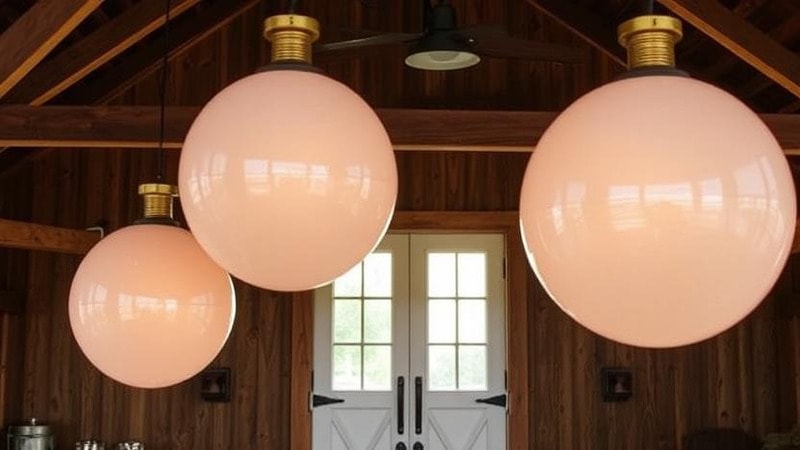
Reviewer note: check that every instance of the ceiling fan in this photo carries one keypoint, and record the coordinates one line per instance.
(444, 46)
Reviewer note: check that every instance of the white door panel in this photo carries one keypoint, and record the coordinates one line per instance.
(447, 330)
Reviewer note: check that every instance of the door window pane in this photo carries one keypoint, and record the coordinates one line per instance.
(347, 321)
(441, 321)
(378, 321)
(377, 368)
(472, 275)
(461, 320)
(441, 275)
(360, 321)
(472, 367)
(378, 275)
(472, 321)
(349, 284)
(346, 367)
(442, 367)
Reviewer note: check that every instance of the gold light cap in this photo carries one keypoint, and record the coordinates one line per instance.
(158, 188)
(650, 40)
(291, 36)
(157, 198)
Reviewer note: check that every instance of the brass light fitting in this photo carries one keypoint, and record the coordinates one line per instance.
(157, 198)
(291, 36)
(650, 41)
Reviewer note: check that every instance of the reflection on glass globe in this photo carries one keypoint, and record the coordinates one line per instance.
(149, 308)
(288, 179)
(658, 211)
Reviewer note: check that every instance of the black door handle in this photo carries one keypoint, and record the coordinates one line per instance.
(417, 407)
(400, 446)
(401, 413)
(497, 400)
(418, 446)
(321, 400)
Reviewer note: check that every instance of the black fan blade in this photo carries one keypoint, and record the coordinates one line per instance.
(495, 42)
(381, 39)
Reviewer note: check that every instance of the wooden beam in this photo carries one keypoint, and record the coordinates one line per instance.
(591, 28)
(31, 236)
(35, 34)
(73, 64)
(409, 129)
(744, 40)
(143, 62)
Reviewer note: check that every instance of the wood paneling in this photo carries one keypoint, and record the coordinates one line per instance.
(746, 378)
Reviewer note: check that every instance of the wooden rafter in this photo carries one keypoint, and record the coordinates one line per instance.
(35, 34)
(409, 129)
(586, 25)
(33, 236)
(145, 61)
(73, 64)
(741, 38)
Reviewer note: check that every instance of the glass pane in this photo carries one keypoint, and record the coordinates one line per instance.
(442, 367)
(378, 321)
(441, 274)
(378, 275)
(346, 321)
(472, 275)
(347, 367)
(472, 321)
(377, 368)
(472, 368)
(349, 284)
(441, 321)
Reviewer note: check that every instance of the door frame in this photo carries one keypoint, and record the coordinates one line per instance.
(517, 332)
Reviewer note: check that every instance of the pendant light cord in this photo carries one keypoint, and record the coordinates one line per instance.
(293, 4)
(162, 94)
(648, 7)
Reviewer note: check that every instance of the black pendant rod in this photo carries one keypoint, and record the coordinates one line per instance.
(162, 94)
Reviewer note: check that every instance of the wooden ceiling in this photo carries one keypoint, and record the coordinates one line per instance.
(91, 52)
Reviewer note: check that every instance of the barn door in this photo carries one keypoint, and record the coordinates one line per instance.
(409, 348)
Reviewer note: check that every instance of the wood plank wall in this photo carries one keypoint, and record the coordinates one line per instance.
(13, 278)
(746, 378)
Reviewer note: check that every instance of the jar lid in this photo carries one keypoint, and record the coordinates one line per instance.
(31, 427)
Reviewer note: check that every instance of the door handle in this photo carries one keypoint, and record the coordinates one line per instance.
(401, 410)
(417, 407)
(417, 446)
(321, 400)
(497, 400)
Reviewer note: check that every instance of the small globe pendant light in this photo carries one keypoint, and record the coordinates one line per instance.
(147, 306)
(288, 176)
(657, 210)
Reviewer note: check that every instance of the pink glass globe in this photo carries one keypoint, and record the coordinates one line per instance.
(288, 179)
(657, 211)
(149, 308)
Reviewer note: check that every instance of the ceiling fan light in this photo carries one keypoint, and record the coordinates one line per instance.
(441, 51)
(442, 60)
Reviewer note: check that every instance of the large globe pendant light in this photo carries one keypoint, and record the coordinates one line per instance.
(657, 210)
(288, 176)
(147, 306)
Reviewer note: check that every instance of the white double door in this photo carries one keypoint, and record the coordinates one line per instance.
(409, 348)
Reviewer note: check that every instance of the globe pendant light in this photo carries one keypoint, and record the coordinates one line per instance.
(289, 177)
(657, 210)
(147, 306)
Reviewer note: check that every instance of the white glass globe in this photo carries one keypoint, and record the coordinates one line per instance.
(657, 211)
(149, 308)
(288, 179)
